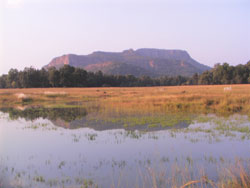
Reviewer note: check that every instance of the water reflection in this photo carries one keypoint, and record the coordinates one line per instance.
(39, 154)
(77, 117)
(32, 113)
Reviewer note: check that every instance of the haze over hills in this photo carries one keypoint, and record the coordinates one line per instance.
(144, 61)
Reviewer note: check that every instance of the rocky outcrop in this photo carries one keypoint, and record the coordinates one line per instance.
(145, 61)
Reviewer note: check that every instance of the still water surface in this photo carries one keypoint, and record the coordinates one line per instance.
(53, 152)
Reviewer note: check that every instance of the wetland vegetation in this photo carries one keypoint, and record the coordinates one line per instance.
(143, 100)
(184, 136)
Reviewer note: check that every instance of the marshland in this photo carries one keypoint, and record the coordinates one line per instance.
(124, 94)
(181, 136)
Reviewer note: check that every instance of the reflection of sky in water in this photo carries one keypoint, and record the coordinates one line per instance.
(101, 155)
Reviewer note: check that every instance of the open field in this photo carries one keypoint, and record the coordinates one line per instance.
(126, 137)
(219, 99)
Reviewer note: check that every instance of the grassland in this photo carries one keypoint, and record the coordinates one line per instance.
(154, 106)
(194, 99)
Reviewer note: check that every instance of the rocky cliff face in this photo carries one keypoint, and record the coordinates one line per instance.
(59, 61)
(145, 61)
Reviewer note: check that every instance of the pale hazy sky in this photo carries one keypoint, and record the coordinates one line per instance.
(32, 32)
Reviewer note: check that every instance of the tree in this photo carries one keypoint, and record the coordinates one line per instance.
(66, 76)
(44, 78)
(54, 77)
(12, 79)
(80, 77)
(206, 78)
(3, 81)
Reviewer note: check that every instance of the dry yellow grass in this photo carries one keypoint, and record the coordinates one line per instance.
(146, 100)
(234, 176)
(139, 99)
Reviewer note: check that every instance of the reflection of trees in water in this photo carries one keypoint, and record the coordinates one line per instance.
(99, 125)
(75, 117)
(65, 114)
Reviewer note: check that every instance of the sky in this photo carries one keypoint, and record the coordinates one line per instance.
(33, 32)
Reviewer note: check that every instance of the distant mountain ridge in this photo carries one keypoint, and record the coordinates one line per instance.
(144, 61)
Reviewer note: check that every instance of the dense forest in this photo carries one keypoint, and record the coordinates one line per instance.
(68, 76)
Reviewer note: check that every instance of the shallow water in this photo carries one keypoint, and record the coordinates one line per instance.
(52, 152)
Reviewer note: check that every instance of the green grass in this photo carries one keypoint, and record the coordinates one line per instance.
(27, 100)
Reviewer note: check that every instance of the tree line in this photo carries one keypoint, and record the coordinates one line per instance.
(68, 76)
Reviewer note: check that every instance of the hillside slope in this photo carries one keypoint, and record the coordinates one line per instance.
(144, 61)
